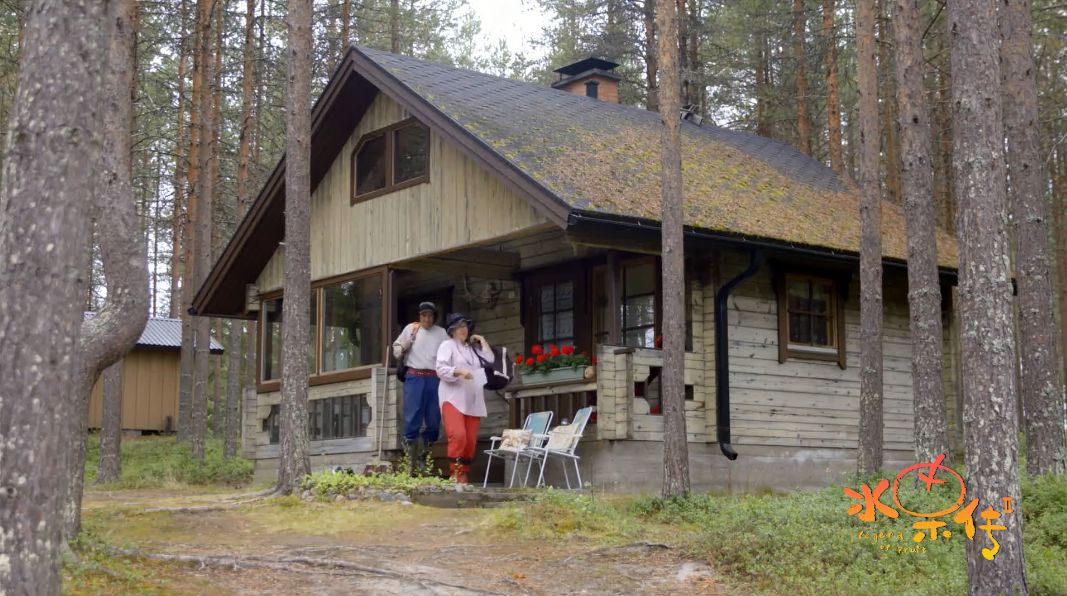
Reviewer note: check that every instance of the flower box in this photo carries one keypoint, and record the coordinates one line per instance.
(556, 375)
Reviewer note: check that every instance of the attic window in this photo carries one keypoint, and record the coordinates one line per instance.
(810, 317)
(389, 159)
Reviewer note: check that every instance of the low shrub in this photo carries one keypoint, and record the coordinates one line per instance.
(155, 462)
(559, 514)
(326, 485)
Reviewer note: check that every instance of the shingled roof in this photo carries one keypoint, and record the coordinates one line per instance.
(602, 157)
(573, 158)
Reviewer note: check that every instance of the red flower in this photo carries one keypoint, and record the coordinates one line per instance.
(555, 351)
(594, 360)
(585, 353)
(654, 410)
(535, 350)
(518, 359)
(659, 341)
(529, 362)
(568, 350)
(540, 358)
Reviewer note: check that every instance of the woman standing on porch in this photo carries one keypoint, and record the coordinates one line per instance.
(461, 395)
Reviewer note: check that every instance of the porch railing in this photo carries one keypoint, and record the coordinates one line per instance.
(563, 400)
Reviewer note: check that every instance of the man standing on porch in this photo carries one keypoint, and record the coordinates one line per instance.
(419, 341)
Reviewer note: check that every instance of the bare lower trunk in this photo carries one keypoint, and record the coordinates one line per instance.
(44, 247)
(988, 345)
(675, 444)
(1041, 389)
(109, 468)
(233, 389)
(203, 225)
(295, 322)
(924, 292)
(113, 331)
(869, 456)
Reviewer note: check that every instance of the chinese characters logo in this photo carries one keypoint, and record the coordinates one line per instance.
(929, 527)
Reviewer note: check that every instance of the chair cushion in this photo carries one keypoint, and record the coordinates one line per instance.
(515, 439)
(561, 438)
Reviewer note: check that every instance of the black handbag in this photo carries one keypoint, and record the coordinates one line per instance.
(494, 379)
(401, 363)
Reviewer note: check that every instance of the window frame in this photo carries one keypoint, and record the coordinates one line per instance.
(360, 401)
(316, 377)
(389, 132)
(839, 284)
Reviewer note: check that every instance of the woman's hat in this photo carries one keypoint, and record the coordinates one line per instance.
(455, 319)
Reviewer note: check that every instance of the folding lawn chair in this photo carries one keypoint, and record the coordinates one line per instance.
(562, 443)
(537, 424)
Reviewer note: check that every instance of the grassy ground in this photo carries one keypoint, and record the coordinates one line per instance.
(798, 543)
(159, 462)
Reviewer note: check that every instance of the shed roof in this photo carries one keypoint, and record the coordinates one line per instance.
(162, 332)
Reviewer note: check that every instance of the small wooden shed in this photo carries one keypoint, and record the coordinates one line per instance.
(149, 379)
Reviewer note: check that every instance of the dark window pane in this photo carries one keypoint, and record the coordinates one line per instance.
(820, 298)
(820, 331)
(548, 298)
(313, 340)
(799, 297)
(640, 279)
(412, 152)
(371, 165)
(352, 324)
(272, 339)
(799, 329)
(365, 416)
(547, 330)
(639, 338)
(639, 311)
(565, 296)
(565, 324)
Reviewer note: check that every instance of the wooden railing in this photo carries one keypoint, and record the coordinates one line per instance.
(563, 400)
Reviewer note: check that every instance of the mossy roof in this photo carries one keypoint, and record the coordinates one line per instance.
(603, 157)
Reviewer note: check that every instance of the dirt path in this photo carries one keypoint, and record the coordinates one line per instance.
(284, 547)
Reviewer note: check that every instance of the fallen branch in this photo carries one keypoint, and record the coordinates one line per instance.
(202, 508)
(643, 544)
(285, 562)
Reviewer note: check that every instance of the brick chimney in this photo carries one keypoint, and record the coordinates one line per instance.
(591, 77)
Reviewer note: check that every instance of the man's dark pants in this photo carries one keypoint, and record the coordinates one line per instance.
(420, 404)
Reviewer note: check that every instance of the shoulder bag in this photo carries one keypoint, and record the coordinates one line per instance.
(401, 364)
(494, 379)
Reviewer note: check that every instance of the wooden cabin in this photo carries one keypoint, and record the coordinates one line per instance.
(536, 210)
(149, 379)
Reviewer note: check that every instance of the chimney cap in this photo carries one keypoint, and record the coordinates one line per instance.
(586, 64)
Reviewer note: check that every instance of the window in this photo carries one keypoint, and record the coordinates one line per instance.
(810, 316)
(352, 324)
(639, 303)
(639, 284)
(346, 334)
(331, 418)
(390, 159)
(555, 309)
(271, 348)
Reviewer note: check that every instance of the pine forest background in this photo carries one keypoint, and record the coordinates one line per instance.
(780, 68)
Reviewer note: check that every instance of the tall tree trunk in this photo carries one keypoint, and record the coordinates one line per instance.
(944, 192)
(394, 26)
(115, 329)
(186, 379)
(1059, 197)
(683, 52)
(924, 291)
(693, 62)
(180, 220)
(763, 123)
(651, 57)
(233, 382)
(346, 24)
(244, 200)
(202, 238)
(869, 456)
(889, 108)
(801, 77)
(1041, 388)
(833, 101)
(109, 468)
(675, 441)
(44, 245)
(295, 463)
(988, 345)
